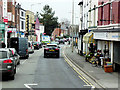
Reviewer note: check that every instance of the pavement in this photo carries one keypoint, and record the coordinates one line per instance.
(105, 80)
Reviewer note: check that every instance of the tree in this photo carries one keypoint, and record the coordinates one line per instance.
(49, 21)
(66, 22)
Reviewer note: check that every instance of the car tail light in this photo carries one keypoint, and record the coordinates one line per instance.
(46, 48)
(7, 61)
(56, 49)
(31, 46)
(26, 50)
(37, 44)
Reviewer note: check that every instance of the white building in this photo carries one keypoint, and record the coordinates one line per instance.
(88, 21)
(5, 17)
(22, 22)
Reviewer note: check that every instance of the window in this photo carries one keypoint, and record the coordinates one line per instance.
(22, 24)
(22, 13)
(3, 54)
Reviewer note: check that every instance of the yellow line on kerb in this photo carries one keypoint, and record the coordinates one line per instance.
(81, 76)
(83, 80)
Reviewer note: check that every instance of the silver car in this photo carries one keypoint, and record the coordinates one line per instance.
(14, 52)
(7, 63)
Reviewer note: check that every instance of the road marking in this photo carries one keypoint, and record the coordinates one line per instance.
(83, 80)
(24, 61)
(28, 86)
(92, 87)
(75, 68)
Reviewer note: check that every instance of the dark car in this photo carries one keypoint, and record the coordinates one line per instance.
(37, 45)
(7, 63)
(51, 50)
(21, 46)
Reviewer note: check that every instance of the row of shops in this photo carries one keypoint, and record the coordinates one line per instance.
(101, 47)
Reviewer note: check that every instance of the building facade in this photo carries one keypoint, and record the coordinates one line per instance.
(22, 22)
(29, 21)
(11, 19)
(107, 33)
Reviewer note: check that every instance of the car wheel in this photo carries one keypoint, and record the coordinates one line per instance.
(27, 57)
(18, 63)
(12, 77)
(45, 56)
(57, 55)
(15, 70)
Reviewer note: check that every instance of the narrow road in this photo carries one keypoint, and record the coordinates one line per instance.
(45, 73)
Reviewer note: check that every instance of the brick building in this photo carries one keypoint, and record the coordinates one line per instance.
(11, 18)
(107, 33)
(56, 33)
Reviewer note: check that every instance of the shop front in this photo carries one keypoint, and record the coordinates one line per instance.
(88, 42)
(109, 45)
(80, 41)
(2, 33)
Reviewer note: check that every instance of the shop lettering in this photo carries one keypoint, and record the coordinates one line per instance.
(116, 36)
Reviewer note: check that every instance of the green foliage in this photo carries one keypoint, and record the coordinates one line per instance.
(49, 21)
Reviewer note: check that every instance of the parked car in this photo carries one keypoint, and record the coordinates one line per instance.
(14, 52)
(51, 50)
(21, 46)
(30, 47)
(37, 45)
(7, 63)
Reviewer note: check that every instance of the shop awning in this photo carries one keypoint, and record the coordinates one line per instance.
(88, 38)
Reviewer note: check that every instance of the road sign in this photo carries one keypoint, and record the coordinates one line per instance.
(5, 20)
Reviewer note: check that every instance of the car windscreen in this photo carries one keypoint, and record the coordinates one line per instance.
(3, 54)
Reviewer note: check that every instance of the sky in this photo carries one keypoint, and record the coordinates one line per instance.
(62, 8)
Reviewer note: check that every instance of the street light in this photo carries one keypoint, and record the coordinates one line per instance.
(72, 22)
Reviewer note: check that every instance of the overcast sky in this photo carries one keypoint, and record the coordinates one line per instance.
(62, 8)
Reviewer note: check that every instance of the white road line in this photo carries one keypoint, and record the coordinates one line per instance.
(92, 87)
(24, 61)
(28, 86)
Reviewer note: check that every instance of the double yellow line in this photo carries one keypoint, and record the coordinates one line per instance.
(79, 74)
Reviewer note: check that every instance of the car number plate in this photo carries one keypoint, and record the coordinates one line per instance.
(52, 50)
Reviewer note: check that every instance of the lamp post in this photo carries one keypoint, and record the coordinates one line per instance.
(72, 22)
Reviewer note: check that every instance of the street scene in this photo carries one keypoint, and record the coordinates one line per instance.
(60, 44)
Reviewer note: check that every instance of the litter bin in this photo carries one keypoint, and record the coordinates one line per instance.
(108, 68)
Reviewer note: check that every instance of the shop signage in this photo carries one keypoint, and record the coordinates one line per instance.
(100, 35)
(107, 36)
(5, 19)
(2, 26)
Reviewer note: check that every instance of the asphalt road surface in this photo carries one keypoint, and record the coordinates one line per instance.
(39, 72)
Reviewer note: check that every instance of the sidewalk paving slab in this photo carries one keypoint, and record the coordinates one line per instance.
(108, 80)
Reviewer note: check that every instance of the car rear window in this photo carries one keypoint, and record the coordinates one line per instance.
(3, 54)
(51, 46)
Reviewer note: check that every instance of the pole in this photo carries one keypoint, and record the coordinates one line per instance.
(72, 23)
